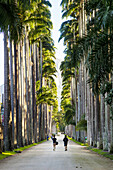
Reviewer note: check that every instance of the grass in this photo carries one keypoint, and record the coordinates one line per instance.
(6, 154)
(103, 153)
(10, 153)
(80, 143)
(96, 150)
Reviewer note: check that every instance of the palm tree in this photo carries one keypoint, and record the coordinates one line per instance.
(41, 27)
(94, 57)
(8, 18)
(100, 50)
(12, 95)
(37, 25)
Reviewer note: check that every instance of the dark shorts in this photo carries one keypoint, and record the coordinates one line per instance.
(65, 144)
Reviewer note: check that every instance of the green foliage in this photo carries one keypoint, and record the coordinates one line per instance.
(35, 14)
(45, 95)
(39, 19)
(81, 125)
(58, 117)
(99, 59)
(109, 98)
(49, 69)
(69, 113)
(67, 108)
(106, 87)
(48, 93)
(97, 45)
(11, 19)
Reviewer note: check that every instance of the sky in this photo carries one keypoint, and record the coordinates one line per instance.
(56, 18)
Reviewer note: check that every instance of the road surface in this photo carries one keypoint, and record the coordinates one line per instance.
(42, 157)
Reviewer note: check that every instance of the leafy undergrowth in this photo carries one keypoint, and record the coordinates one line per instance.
(19, 150)
(99, 151)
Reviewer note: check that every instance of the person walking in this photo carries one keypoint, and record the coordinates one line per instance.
(65, 142)
(54, 142)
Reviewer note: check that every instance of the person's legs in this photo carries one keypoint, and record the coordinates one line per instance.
(65, 148)
(54, 146)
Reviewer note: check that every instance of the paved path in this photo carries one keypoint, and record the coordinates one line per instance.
(42, 157)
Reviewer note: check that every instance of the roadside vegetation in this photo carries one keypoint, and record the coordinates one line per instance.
(19, 150)
(96, 150)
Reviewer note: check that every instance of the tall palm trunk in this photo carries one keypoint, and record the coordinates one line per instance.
(102, 112)
(76, 100)
(16, 86)
(111, 121)
(31, 101)
(79, 116)
(6, 94)
(25, 99)
(19, 97)
(37, 63)
(44, 121)
(93, 119)
(22, 93)
(40, 114)
(37, 78)
(111, 147)
(26, 89)
(73, 102)
(97, 121)
(12, 92)
(105, 137)
(34, 92)
(47, 119)
(109, 128)
(1, 133)
(88, 114)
